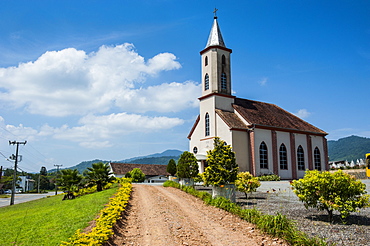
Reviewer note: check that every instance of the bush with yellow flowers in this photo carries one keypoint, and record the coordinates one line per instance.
(107, 219)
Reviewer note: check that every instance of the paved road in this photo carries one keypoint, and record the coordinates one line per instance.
(20, 198)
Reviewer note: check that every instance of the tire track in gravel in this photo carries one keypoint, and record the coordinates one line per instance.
(168, 216)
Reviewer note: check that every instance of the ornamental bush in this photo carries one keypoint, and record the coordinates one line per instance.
(187, 166)
(222, 168)
(331, 191)
(137, 175)
(247, 183)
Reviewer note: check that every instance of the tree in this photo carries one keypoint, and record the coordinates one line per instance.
(69, 181)
(137, 175)
(331, 191)
(222, 168)
(246, 183)
(187, 166)
(43, 179)
(171, 167)
(99, 174)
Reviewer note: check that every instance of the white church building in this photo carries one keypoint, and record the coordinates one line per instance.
(265, 138)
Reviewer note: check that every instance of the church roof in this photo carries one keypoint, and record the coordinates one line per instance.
(231, 119)
(147, 169)
(262, 114)
(215, 37)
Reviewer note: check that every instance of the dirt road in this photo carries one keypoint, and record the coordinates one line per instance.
(167, 216)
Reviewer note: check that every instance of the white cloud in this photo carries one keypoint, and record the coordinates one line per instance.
(97, 131)
(263, 81)
(72, 82)
(303, 113)
(167, 97)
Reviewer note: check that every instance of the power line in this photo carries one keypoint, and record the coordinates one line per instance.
(15, 168)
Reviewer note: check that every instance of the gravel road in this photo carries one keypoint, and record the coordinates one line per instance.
(167, 216)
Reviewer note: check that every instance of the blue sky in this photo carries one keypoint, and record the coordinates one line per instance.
(111, 80)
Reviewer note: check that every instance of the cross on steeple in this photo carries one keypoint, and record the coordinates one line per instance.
(215, 13)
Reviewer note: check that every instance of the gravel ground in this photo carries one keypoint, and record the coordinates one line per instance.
(273, 197)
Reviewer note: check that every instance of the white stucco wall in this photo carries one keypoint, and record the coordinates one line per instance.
(284, 138)
(261, 135)
(240, 144)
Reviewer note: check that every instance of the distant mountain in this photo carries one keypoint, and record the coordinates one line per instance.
(158, 158)
(348, 148)
(169, 152)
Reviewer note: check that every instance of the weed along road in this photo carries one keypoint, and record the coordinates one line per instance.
(158, 215)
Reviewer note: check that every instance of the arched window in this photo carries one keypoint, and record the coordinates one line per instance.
(300, 158)
(283, 157)
(223, 81)
(207, 124)
(206, 61)
(223, 60)
(263, 156)
(206, 82)
(317, 159)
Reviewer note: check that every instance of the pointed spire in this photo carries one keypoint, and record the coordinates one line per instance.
(215, 37)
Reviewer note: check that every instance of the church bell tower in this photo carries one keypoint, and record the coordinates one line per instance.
(216, 74)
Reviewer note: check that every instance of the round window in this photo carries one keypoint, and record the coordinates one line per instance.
(195, 150)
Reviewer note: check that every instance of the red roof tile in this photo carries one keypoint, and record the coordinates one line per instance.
(270, 115)
(148, 169)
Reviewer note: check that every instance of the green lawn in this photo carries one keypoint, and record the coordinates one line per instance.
(48, 221)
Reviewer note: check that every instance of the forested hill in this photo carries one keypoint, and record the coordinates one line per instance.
(159, 158)
(348, 148)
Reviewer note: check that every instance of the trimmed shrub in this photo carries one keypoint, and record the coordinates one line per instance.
(331, 191)
(246, 183)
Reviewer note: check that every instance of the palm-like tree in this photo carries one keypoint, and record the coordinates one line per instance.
(99, 174)
(69, 181)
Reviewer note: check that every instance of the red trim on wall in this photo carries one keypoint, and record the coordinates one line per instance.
(215, 47)
(309, 152)
(203, 139)
(275, 160)
(194, 126)
(293, 156)
(287, 130)
(252, 159)
(215, 94)
(326, 154)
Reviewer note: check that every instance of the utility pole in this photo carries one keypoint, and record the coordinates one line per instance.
(15, 168)
(56, 187)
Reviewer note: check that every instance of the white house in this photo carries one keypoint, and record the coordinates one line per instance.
(266, 138)
(26, 183)
(153, 173)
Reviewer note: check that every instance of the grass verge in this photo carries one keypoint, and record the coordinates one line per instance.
(108, 216)
(276, 225)
(48, 221)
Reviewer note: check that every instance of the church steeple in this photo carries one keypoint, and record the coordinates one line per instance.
(216, 72)
(215, 36)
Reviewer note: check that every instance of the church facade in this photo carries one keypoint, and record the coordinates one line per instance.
(266, 139)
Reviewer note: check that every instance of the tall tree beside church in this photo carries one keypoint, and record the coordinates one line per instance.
(171, 167)
(187, 166)
(222, 168)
